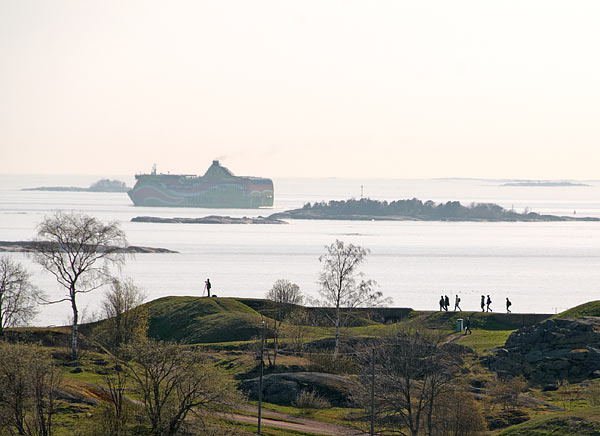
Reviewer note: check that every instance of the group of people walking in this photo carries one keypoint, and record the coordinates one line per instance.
(485, 304)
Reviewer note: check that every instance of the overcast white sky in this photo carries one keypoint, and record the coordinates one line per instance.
(305, 88)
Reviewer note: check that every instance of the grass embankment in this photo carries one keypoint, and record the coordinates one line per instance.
(579, 423)
(587, 309)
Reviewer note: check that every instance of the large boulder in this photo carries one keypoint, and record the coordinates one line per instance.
(554, 350)
(283, 388)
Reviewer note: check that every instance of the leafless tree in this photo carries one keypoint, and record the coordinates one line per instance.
(339, 285)
(285, 296)
(172, 382)
(17, 294)
(118, 416)
(125, 320)
(457, 414)
(28, 384)
(78, 250)
(412, 373)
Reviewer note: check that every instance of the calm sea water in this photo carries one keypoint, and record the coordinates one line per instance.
(542, 267)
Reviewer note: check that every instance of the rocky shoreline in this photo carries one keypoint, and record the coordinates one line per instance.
(27, 246)
(211, 219)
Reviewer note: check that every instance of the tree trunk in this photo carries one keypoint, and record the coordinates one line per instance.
(74, 329)
(276, 342)
(336, 350)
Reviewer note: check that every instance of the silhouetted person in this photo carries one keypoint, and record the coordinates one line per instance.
(456, 302)
(508, 304)
(487, 303)
(446, 302)
(442, 303)
(207, 286)
(483, 303)
(468, 326)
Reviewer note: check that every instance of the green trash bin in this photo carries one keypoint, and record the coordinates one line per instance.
(459, 325)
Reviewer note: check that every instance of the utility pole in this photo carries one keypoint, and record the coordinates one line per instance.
(260, 380)
(373, 392)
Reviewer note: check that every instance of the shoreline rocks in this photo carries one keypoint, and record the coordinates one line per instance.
(211, 219)
(27, 246)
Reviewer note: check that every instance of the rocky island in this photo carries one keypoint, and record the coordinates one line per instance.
(103, 185)
(414, 210)
(28, 246)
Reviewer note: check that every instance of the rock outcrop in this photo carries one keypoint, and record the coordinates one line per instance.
(284, 388)
(554, 350)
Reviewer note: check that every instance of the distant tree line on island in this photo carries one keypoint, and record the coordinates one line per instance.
(414, 209)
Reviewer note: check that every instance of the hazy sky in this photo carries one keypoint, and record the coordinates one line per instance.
(304, 88)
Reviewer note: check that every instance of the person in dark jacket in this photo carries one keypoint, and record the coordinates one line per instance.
(468, 326)
(207, 286)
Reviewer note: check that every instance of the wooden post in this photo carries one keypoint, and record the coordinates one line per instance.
(373, 392)
(260, 380)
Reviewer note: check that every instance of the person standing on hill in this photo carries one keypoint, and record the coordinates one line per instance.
(468, 326)
(456, 304)
(207, 286)
(483, 303)
(508, 304)
(488, 302)
(442, 303)
(447, 302)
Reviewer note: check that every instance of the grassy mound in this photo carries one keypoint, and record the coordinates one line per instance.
(587, 309)
(482, 320)
(201, 320)
(581, 423)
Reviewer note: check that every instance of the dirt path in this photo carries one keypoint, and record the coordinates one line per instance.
(288, 422)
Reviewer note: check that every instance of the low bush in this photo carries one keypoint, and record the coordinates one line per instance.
(311, 400)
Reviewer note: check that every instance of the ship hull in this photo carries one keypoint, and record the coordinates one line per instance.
(186, 191)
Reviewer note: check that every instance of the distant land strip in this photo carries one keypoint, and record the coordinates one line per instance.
(545, 184)
(416, 210)
(211, 219)
(28, 246)
(103, 185)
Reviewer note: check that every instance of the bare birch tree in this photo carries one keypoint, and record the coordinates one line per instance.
(78, 250)
(126, 320)
(17, 294)
(285, 296)
(172, 382)
(29, 381)
(340, 287)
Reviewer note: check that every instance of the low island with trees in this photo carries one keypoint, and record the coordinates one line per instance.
(415, 210)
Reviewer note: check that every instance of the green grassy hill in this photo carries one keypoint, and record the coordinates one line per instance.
(202, 320)
(587, 309)
(578, 423)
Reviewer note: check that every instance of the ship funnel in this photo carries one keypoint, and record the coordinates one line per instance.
(215, 162)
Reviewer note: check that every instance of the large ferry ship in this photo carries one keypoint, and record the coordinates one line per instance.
(217, 188)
